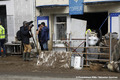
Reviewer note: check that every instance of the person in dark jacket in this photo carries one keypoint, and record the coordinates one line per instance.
(25, 34)
(44, 36)
(39, 35)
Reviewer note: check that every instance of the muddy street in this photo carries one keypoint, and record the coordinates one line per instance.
(14, 65)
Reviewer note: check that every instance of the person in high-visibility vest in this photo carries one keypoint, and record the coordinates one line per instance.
(2, 40)
(88, 31)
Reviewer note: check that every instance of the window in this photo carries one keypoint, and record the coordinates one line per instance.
(61, 27)
(61, 19)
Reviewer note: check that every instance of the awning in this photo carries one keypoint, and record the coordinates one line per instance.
(52, 5)
(100, 1)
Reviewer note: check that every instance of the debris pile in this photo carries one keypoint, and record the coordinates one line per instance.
(116, 52)
(95, 66)
(106, 43)
(114, 42)
(54, 59)
(114, 66)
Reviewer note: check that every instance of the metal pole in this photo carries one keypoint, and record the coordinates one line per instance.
(33, 40)
(110, 47)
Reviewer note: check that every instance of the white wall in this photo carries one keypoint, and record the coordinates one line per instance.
(24, 11)
(10, 18)
(17, 12)
(9, 5)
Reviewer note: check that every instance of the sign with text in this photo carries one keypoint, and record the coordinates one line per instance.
(76, 7)
(44, 19)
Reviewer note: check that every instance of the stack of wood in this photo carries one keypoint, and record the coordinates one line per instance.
(54, 59)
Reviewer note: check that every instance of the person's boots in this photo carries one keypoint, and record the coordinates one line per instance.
(24, 56)
(28, 56)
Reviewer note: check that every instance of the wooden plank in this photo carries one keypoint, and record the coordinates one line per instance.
(12, 44)
(78, 39)
(99, 47)
(103, 60)
(94, 53)
(110, 47)
(61, 23)
(77, 47)
(60, 47)
(86, 55)
(98, 53)
(92, 47)
(86, 65)
(82, 47)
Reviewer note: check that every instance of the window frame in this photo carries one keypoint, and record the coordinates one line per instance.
(55, 25)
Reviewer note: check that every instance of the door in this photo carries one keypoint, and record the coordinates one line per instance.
(78, 29)
(3, 18)
(60, 32)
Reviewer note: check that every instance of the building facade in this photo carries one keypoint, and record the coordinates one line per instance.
(13, 13)
(96, 12)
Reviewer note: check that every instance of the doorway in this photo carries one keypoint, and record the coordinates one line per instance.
(3, 17)
(94, 21)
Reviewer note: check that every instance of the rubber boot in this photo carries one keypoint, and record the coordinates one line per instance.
(28, 56)
(24, 56)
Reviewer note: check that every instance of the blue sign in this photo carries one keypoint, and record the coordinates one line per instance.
(41, 19)
(76, 7)
(44, 19)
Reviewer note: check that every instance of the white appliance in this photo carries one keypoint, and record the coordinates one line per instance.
(78, 62)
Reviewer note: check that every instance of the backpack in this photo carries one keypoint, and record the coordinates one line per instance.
(19, 36)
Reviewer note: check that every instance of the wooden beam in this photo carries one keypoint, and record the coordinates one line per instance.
(94, 53)
(102, 60)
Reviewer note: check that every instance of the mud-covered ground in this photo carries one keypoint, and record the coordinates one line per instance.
(14, 65)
